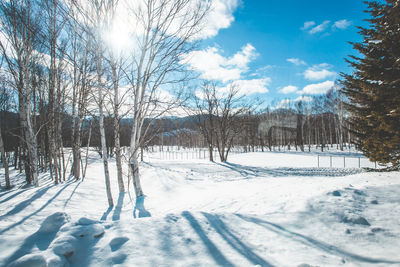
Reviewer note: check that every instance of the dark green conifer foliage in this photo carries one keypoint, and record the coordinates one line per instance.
(373, 89)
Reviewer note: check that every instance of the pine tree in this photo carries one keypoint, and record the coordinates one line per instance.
(373, 89)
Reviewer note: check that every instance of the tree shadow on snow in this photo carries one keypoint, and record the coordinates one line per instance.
(40, 239)
(234, 241)
(78, 183)
(309, 241)
(19, 191)
(140, 211)
(117, 211)
(25, 203)
(253, 172)
(217, 255)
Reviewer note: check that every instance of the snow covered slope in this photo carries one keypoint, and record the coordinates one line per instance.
(265, 209)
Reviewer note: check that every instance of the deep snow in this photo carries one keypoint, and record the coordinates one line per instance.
(266, 209)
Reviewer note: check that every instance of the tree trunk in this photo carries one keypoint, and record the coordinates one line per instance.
(87, 150)
(5, 163)
(117, 144)
(31, 145)
(210, 151)
(101, 124)
(134, 166)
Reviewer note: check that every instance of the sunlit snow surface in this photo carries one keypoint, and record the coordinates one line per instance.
(266, 209)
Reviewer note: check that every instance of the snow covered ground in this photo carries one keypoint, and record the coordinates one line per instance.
(260, 209)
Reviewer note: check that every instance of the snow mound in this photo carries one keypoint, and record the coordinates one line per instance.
(117, 242)
(57, 261)
(64, 245)
(30, 260)
(93, 230)
(54, 222)
(86, 221)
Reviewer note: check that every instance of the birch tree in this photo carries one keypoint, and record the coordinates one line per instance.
(165, 31)
(20, 30)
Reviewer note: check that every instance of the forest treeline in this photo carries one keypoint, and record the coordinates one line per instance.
(299, 126)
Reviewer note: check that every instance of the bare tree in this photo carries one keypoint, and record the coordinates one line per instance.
(217, 114)
(19, 22)
(4, 161)
(203, 114)
(165, 33)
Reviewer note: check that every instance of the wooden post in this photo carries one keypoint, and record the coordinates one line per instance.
(359, 162)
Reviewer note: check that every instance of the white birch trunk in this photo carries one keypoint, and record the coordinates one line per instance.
(101, 124)
(116, 129)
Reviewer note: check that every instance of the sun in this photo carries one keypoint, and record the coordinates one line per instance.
(117, 37)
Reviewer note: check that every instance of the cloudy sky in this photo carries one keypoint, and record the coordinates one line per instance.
(278, 50)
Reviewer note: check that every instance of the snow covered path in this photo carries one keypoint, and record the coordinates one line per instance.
(266, 209)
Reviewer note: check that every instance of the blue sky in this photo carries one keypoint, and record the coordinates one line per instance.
(280, 49)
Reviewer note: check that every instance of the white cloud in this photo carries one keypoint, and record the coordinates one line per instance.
(307, 25)
(289, 89)
(342, 24)
(317, 88)
(219, 17)
(319, 72)
(316, 75)
(213, 66)
(319, 28)
(248, 87)
(296, 61)
(303, 98)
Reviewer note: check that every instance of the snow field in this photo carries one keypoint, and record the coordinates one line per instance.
(265, 209)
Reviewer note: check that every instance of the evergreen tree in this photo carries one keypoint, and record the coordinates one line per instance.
(373, 89)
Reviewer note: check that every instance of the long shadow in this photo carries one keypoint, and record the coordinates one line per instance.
(23, 204)
(106, 213)
(252, 172)
(20, 191)
(306, 240)
(140, 211)
(223, 230)
(73, 192)
(38, 210)
(219, 258)
(39, 239)
(117, 211)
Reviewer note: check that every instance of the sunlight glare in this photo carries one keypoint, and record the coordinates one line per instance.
(117, 37)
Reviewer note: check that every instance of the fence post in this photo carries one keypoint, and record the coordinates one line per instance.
(375, 164)
(359, 162)
(344, 162)
(330, 160)
(318, 160)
